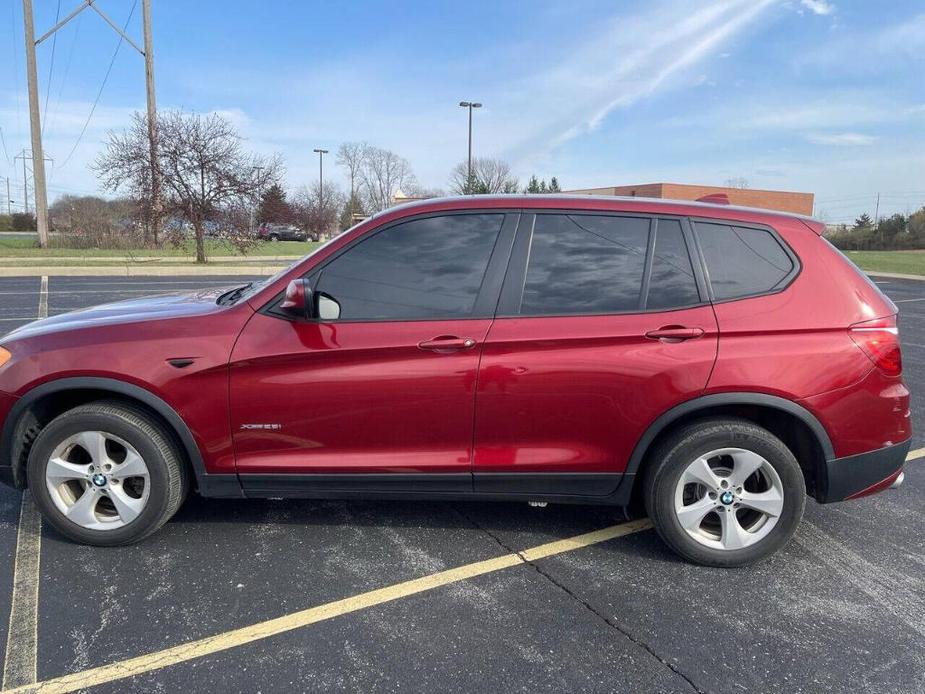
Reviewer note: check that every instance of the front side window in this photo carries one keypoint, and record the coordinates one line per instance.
(742, 261)
(585, 264)
(422, 269)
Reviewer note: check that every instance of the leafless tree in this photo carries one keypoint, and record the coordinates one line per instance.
(382, 174)
(350, 156)
(93, 222)
(316, 214)
(206, 175)
(488, 176)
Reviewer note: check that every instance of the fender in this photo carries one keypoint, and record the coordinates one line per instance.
(115, 387)
(718, 399)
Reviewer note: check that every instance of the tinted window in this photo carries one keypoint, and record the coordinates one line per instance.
(672, 282)
(742, 261)
(425, 268)
(585, 264)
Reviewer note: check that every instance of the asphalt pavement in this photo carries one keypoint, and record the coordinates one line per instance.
(841, 609)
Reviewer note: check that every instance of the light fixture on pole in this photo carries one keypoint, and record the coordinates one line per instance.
(321, 153)
(469, 105)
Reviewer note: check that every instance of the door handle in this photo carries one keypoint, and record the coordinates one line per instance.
(447, 343)
(674, 333)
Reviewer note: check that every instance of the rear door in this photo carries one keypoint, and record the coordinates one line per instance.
(603, 324)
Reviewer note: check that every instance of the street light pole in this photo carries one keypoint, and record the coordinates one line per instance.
(469, 105)
(321, 153)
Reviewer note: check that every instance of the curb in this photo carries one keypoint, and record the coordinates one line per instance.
(897, 276)
(138, 270)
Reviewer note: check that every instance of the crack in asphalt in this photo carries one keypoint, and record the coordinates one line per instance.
(587, 605)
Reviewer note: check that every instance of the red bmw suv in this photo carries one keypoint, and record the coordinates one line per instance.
(709, 363)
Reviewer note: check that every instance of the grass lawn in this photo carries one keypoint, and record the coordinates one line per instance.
(26, 248)
(904, 262)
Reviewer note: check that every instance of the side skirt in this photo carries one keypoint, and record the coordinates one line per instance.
(579, 488)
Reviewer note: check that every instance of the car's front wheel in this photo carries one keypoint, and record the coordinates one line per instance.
(724, 492)
(106, 474)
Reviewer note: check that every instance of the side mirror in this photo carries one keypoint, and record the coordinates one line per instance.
(299, 300)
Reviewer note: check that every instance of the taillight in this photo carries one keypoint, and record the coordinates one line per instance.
(879, 340)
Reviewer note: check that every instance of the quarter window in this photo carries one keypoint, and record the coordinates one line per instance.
(742, 261)
(417, 270)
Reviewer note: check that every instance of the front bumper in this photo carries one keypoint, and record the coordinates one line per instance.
(862, 474)
(6, 471)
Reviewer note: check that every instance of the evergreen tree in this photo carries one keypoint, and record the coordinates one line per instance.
(273, 207)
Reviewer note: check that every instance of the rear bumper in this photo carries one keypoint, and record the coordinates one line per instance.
(862, 474)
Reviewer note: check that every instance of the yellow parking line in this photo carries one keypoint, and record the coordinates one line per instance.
(19, 663)
(917, 453)
(272, 627)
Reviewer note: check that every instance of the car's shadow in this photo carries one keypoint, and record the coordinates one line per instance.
(514, 525)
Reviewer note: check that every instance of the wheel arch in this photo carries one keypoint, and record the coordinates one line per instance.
(796, 426)
(36, 408)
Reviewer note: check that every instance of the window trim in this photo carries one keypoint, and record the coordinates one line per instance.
(485, 302)
(781, 286)
(512, 292)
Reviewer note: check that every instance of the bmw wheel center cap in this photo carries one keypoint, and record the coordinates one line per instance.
(726, 498)
(99, 480)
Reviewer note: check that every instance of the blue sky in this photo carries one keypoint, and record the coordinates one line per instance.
(826, 96)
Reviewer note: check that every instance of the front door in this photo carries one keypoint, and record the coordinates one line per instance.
(385, 392)
(603, 325)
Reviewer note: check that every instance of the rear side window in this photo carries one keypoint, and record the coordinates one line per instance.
(742, 261)
(417, 270)
(581, 264)
(672, 283)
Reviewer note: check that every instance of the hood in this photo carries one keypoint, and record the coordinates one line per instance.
(157, 307)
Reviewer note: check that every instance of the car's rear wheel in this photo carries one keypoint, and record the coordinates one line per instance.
(274, 238)
(106, 474)
(724, 492)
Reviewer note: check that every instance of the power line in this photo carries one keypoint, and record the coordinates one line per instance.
(99, 94)
(16, 67)
(51, 69)
(67, 69)
(3, 141)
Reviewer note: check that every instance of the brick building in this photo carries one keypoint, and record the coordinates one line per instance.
(784, 201)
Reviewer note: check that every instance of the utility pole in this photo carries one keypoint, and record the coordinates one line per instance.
(9, 202)
(38, 160)
(25, 181)
(152, 119)
(38, 165)
(321, 153)
(877, 217)
(470, 105)
(259, 170)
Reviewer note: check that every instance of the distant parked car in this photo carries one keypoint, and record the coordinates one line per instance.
(281, 232)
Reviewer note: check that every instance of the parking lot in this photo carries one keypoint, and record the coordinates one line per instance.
(842, 608)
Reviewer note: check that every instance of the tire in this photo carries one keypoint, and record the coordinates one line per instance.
(274, 238)
(744, 517)
(75, 480)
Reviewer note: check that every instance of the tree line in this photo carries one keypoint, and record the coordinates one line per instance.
(896, 232)
(211, 185)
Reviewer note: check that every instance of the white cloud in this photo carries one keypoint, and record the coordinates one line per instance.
(820, 7)
(850, 139)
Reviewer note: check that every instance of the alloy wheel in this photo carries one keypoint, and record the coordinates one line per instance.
(729, 498)
(97, 480)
